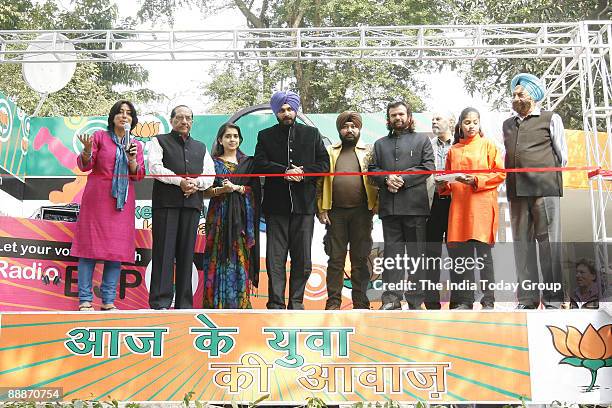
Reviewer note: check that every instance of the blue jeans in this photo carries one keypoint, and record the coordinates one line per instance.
(110, 276)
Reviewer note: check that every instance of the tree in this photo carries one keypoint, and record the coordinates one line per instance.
(90, 92)
(232, 89)
(324, 86)
(490, 76)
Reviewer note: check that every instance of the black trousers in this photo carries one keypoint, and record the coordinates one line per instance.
(174, 236)
(437, 226)
(404, 236)
(349, 226)
(288, 234)
(464, 271)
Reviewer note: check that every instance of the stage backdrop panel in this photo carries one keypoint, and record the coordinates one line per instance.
(37, 272)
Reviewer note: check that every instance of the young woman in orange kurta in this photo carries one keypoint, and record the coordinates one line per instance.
(473, 216)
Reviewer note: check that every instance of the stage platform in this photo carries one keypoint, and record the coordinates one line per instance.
(342, 357)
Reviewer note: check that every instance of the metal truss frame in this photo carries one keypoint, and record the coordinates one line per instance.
(450, 42)
(580, 55)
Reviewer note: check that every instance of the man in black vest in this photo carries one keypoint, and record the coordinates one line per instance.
(535, 138)
(177, 203)
(289, 202)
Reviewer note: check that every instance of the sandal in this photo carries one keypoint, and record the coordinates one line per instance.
(109, 307)
(86, 307)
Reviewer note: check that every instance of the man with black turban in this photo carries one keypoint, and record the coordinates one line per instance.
(289, 203)
(535, 138)
(346, 205)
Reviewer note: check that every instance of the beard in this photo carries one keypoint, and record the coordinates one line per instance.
(349, 141)
(440, 130)
(521, 107)
(398, 126)
(286, 121)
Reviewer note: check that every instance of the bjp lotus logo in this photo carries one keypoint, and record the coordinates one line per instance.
(591, 349)
(4, 119)
(146, 130)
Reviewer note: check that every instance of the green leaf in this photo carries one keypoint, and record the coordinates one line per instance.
(574, 361)
(259, 400)
(187, 398)
(608, 362)
(593, 364)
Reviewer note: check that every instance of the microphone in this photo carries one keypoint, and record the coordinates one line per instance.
(127, 127)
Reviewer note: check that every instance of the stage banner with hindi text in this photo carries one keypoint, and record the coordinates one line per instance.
(338, 356)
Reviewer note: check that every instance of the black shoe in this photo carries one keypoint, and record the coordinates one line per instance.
(488, 306)
(593, 304)
(525, 306)
(413, 306)
(461, 306)
(333, 306)
(433, 305)
(391, 306)
(551, 306)
(360, 306)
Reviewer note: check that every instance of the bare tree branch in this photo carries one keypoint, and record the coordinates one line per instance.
(603, 8)
(264, 9)
(246, 11)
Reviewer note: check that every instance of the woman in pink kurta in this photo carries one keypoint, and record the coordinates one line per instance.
(473, 215)
(105, 228)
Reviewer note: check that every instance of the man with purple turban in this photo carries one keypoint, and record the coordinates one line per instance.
(289, 205)
(346, 205)
(535, 139)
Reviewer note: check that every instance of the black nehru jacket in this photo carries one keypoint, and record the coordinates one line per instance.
(406, 151)
(529, 145)
(182, 157)
(277, 148)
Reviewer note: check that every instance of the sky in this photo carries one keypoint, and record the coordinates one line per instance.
(191, 75)
(446, 92)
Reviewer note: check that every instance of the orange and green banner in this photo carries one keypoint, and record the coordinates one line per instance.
(242, 355)
(338, 356)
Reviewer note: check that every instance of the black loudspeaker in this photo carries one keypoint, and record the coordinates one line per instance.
(65, 213)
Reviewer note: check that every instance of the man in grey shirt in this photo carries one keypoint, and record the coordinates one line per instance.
(442, 126)
(403, 204)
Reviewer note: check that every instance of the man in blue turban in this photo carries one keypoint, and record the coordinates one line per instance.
(286, 151)
(531, 84)
(284, 97)
(535, 139)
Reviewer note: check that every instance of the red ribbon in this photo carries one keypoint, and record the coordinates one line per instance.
(591, 169)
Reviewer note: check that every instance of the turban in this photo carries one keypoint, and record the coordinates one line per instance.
(280, 98)
(531, 83)
(348, 116)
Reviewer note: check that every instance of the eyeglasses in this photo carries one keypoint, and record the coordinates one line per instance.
(181, 118)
